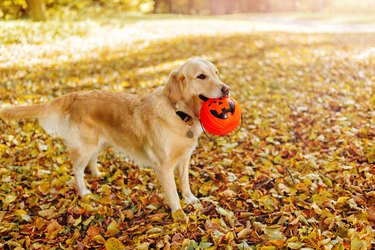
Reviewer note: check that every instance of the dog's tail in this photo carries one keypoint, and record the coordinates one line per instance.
(59, 105)
(33, 111)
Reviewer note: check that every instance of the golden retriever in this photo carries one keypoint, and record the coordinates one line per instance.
(159, 129)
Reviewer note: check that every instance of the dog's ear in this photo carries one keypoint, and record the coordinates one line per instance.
(173, 88)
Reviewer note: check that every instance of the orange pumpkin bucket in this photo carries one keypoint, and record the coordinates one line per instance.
(220, 116)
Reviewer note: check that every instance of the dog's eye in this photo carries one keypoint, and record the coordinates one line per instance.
(201, 76)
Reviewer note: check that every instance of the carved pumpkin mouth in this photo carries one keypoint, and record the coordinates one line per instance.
(220, 110)
(203, 98)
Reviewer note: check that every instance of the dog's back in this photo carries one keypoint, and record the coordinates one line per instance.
(88, 121)
(94, 118)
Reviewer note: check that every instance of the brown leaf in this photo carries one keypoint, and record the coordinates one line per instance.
(53, 229)
(371, 213)
(178, 238)
(93, 231)
(209, 225)
(40, 223)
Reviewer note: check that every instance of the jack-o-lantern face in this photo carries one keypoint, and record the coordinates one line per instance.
(220, 108)
(220, 116)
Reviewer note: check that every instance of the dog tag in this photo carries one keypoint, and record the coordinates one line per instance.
(190, 134)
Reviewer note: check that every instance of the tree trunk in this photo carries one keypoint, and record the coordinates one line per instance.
(213, 7)
(38, 10)
(319, 5)
(228, 6)
(190, 7)
(294, 5)
(156, 6)
(170, 6)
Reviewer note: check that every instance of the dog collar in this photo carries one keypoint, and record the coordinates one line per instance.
(185, 117)
(189, 120)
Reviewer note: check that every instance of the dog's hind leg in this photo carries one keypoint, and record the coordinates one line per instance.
(93, 165)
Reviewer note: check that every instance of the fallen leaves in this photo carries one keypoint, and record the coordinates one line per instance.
(8, 200)
(115, 244)
(52, 229)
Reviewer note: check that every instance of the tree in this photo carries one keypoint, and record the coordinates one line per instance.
(190, 7)
(156, 5)
(213, 7)
(38, 10)
(319, 5)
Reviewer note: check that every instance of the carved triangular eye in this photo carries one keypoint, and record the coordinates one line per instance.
(221, 112)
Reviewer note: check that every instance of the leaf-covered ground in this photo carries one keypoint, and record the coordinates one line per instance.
(299, 174)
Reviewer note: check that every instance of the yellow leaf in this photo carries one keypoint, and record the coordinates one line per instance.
(47, 214)
(327, 181)
(114, 244)
(143, 246)
(295, 245)
(99, 239)
(342, 200)
(268, 202)
(8, 199)
(178, 215)
(243, 233)
(44, 187)
(77, 221)
(358, 244)
(268, 248)
(74, 238)
(116, 175)
(23, 214)
(229, 236)
(88, 221)
(113, 228)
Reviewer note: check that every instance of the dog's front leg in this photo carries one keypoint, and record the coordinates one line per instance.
(183, 171)
(80, 160)
(165, 175)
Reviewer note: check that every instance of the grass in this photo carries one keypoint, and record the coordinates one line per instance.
(60, 28)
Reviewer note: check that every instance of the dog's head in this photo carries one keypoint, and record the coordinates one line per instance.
(196, 78)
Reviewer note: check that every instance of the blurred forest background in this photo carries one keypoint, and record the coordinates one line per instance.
(39, 10)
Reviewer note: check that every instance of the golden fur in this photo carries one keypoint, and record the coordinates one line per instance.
(146, 128)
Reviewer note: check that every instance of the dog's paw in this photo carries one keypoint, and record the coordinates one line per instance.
(84, 192)
(191, 199)
(178, 215)
(97, 174)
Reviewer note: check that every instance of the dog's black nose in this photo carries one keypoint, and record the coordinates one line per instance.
(225, 91)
